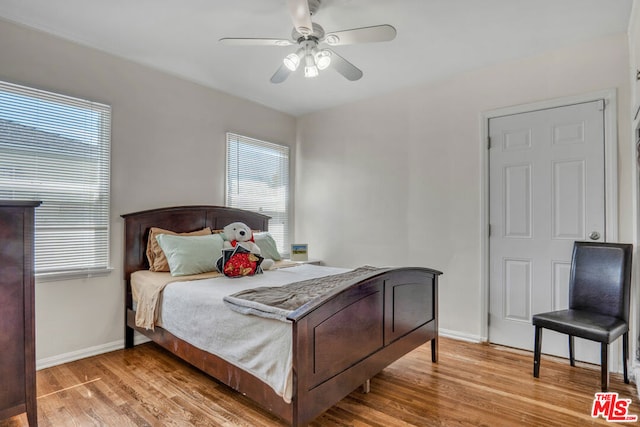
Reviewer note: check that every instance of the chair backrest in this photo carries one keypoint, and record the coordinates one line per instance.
(600, 279)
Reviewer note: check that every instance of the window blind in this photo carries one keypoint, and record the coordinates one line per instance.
(258, 180)
(56, 149)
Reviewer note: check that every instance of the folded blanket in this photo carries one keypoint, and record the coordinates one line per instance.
(277, 302)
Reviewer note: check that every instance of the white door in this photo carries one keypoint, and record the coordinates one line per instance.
(546, 186)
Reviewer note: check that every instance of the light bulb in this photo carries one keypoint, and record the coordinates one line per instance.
(323, 59)
(310, 69)
(291, 61)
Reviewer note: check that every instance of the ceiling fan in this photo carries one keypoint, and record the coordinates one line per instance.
(309, 36)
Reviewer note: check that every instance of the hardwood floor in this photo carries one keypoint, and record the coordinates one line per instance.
(471, 385)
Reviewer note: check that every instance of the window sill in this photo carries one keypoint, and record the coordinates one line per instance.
(72, 274)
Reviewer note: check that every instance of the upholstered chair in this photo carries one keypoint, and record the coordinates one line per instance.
(599, 287)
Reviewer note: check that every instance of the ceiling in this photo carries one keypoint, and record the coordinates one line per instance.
(435, 39)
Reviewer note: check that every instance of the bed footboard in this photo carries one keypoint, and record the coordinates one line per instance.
(344, 341)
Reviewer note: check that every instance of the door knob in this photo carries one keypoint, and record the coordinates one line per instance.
(594, 235)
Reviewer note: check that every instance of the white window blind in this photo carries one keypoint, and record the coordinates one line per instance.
(258, 180)
(56, 149)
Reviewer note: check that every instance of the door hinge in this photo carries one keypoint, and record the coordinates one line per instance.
(488, 143)
(489, 230)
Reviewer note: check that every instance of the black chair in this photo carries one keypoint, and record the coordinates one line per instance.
(599, 288)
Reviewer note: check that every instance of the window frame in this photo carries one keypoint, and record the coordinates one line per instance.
(40, 133)
(284, 152)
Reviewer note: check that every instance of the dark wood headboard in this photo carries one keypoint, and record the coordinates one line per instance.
(179, 219)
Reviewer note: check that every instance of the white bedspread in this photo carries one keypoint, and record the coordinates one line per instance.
(194, 311)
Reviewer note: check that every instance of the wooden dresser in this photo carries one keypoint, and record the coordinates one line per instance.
(17, 324)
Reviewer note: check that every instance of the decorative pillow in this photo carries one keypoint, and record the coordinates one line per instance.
(267, 245)
(239, 262)
(190, 254)
(157, 260)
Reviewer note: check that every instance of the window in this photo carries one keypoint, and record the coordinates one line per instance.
(55, 148)
(258, 180)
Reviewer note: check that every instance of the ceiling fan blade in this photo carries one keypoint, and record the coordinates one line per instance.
(254, 42)
(377, 33)
(344, 67)
(281, 74)
(299, 11)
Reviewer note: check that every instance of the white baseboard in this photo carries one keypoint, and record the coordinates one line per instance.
(78, 354)
(460, 335)
(48, 362)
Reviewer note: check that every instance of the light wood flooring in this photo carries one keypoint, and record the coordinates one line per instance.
(471, 385)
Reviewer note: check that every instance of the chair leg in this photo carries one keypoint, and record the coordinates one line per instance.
(604, 366)
(537, 347)
(625, 356)
(572, 360)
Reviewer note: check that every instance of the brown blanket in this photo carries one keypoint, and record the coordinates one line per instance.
(277, 302)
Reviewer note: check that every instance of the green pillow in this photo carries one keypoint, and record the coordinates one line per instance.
(191, 254)
(268, 246)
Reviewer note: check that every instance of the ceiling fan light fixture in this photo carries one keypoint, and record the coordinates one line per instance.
(292, 61)
(308, 35)
(323, 59)
(310, 69)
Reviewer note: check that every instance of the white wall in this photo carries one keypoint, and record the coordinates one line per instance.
(634, 68)
(398, 178)
(168, 148)
(634, 58)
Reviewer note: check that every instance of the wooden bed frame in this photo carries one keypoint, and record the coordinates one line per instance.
(338, 344)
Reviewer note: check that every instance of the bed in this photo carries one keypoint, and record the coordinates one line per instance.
(331, 356)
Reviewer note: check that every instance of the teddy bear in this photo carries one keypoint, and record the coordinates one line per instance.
(238, 233)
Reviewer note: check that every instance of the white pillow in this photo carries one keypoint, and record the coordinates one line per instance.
(267, 245)
(191, 254)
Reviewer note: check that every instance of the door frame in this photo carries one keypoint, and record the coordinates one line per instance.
(611, 184)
